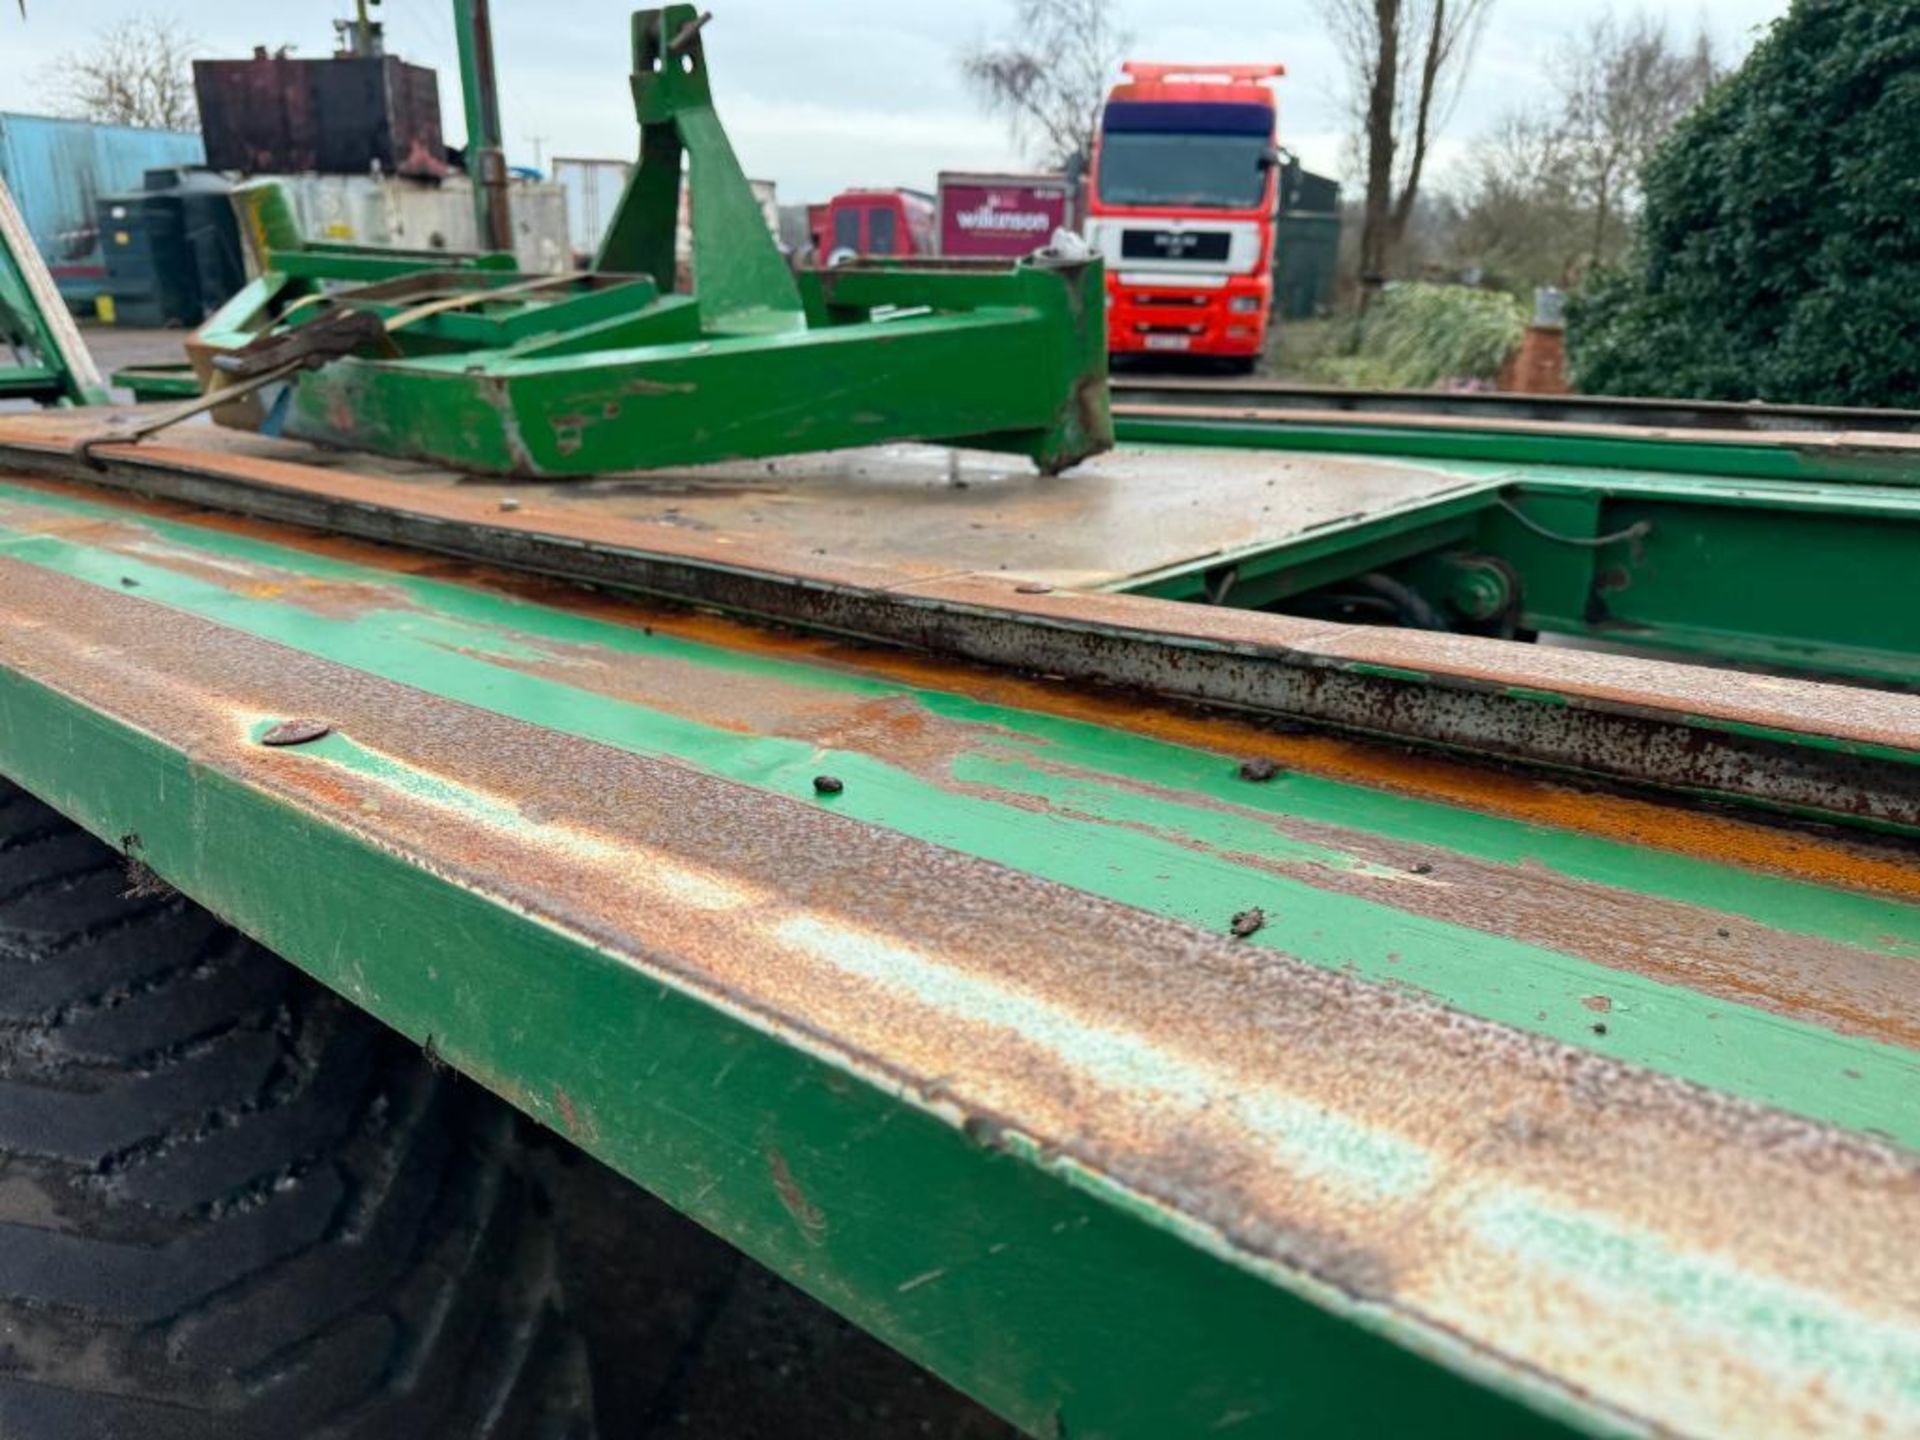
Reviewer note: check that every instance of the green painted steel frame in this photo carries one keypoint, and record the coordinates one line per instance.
(1010, 372)
(1781, 459)
(755, 364)
(745, 285)
(951, 1231)
(51, 363)
(462, 643)
(972, 1247)
(1802, 577)
(1799, 574)
(1186, 1339)
(158, 382)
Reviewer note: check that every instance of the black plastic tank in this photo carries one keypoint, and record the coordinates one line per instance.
(172, 248)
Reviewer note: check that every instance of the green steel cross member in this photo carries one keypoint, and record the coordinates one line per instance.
(484, 370)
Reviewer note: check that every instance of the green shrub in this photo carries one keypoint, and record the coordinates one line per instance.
(1778, 256)
(1414, 336)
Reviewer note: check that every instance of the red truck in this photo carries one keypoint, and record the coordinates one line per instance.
(874, 222)
(1185, 176)
(1001, 216)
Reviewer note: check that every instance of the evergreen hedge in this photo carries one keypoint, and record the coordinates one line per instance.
(1779, 249)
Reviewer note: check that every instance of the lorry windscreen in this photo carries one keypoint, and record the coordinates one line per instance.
(1140, 167)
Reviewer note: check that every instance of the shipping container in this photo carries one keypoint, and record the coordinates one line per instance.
(58, 170)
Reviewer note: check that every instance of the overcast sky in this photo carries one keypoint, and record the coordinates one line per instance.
(822, 94)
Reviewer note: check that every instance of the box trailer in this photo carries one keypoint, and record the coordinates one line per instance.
(58, 171)
(1004, 216)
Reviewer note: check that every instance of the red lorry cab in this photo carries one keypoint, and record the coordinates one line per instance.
(1185, 175)
(875, 222)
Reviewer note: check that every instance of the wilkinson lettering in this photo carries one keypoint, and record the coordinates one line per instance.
(986, 217)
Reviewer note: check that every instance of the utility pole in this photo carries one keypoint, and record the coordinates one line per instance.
(537, 141)
(361, 36)
(486, 156)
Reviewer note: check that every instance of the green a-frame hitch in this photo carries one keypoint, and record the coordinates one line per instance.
(482, 369)
(42, 356)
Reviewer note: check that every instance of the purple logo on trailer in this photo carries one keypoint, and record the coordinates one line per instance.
(1006, 220)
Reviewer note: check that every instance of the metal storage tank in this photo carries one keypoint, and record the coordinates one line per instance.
(172, 248)
(274, 114)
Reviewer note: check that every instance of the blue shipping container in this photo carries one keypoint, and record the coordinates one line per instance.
(56, 169)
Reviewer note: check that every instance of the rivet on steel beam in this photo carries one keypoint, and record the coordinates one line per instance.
(1258, 770)
(295, 732)
(1033, 588)
(1248, 921)
(827, 785)
(509, 504)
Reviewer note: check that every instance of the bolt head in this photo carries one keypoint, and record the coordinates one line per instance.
(295, 732)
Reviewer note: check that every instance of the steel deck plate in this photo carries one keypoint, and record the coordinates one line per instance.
(925, 510)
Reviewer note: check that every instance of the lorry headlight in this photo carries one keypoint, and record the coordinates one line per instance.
(1244, 304)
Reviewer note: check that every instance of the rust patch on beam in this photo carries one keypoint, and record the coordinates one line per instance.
(316, 594)
(1845, 988)
(1855, 861)
(1838, 986)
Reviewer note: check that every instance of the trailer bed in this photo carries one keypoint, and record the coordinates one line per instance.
(919, 510)
(1564, 1079)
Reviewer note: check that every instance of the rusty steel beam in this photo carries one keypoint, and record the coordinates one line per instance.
(1114, 1175)
(1868, 456)
(1838, 754)
(1386, 407)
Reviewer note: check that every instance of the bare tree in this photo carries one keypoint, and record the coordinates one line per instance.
(137, 71)
(1405, 60)
(1625, 85)
(1049, 75)
(1551, 193)
(1522, 224)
